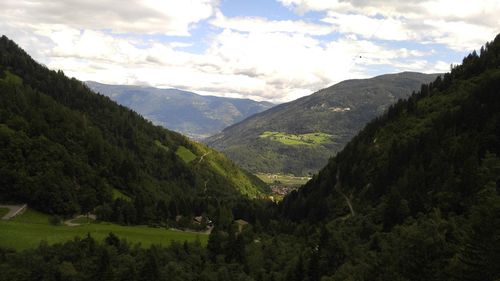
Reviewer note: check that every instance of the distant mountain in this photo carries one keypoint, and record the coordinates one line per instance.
(188, 113)
(298, 137)
(65, 149)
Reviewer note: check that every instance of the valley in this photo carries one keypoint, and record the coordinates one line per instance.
(395, 177)
(300, 136)
(68, 150)
(281, 185)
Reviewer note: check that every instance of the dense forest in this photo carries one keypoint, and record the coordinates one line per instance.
(66, 150)
(414, 196)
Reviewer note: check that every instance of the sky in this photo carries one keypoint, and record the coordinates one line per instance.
(274, 50)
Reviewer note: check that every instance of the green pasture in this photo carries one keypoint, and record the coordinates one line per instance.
(297, 139)
(29, 229)
(3, 212)
(185, 154)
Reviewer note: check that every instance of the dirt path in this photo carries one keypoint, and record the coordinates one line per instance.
(203, 156)
(208, 231)
(71, 223)
(14, 210)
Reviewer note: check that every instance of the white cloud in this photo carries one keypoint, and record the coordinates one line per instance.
(304, 6)
(370, 27)
(172, 17)
(263, 25)
(276, 66)
(252, 57)
(458, 24)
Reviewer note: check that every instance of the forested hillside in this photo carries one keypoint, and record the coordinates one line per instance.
(300, 136)
(66, 150)
(190, 114)
(414, 196)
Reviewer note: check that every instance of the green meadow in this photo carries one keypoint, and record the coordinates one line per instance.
(30, 228)
(185, 154)
(297, 139)
(3, 212)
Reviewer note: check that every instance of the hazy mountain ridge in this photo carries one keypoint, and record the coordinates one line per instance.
(340, 110)
(196, 116)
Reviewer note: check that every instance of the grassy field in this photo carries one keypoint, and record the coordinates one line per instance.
(29, 229)
(160, 145)
(298, 139)
(185, 154)
(118, 194)
(12, 78)
(3, 212)
(32, 216)
(287, 180)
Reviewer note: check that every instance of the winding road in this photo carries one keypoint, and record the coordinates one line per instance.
(14, 210)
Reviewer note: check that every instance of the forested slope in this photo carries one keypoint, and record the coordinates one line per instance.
(415, 195)
(65, 149)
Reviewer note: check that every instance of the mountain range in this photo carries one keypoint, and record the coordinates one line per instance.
(193, 115)
(298, 137)
(414, 195)
(65, 150)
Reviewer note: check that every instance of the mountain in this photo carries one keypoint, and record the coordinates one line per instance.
(190, 114)
(416, 194)
(65, 149)
(298, 137)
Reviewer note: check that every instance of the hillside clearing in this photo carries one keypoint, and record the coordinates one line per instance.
(118, 194)
(297, 139)
(185, 154)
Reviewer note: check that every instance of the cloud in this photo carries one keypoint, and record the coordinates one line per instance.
(263, 25)
(243, 56)
(458, 24)
(370, 27)
(276, 66)
(172, 17)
